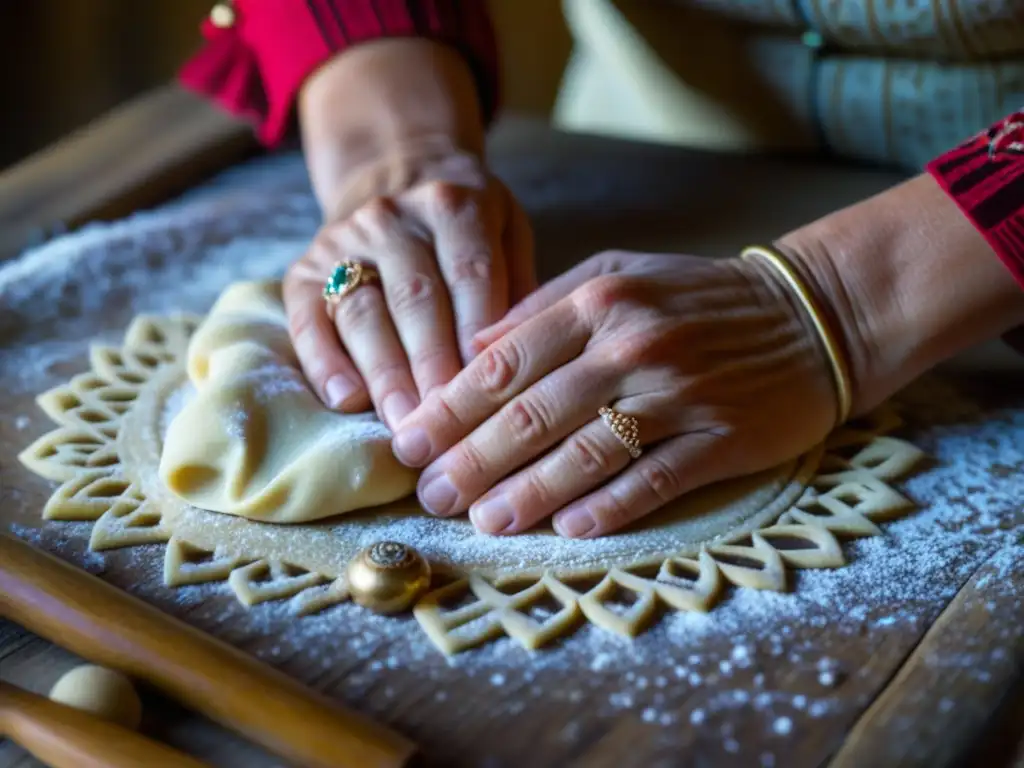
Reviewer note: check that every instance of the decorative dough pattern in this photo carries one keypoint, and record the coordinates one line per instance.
(107, 467)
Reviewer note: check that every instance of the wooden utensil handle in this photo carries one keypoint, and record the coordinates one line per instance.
(64, 737)
(107, 626)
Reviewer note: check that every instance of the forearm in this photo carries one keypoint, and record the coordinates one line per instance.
(908, 281)
(383, 111)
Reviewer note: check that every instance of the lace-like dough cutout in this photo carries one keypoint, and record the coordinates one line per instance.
(106, 449)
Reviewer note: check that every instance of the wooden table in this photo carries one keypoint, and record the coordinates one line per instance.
(885, 695)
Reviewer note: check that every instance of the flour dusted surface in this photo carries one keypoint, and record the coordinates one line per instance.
(757, 658)
(685, 698)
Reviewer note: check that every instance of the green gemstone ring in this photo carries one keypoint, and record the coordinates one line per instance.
(345, 278)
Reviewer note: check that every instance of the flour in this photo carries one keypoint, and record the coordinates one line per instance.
(782, 726)
(272, 380)
(177, 400)
(177, 259)
(757, 639)
(756, 659)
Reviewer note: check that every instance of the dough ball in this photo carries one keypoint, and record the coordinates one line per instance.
(101, 692)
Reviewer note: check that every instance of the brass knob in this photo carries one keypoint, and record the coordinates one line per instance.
(387, 577)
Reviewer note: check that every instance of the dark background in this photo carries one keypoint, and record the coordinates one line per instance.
(65, 62)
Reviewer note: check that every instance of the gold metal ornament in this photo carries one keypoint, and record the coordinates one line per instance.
(387, 577)
(345, 277)
(626, 428)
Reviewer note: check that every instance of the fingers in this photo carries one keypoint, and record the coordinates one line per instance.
(471, 259)
(661, 475)
(522, 430)
(548, 294)
(395, 347)
(583, 461)
(365, 328)
(489, 381)
(415, 295)
(518, 244)
(327, 368)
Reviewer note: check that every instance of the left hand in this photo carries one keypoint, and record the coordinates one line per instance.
(714, 358)
(453, 251)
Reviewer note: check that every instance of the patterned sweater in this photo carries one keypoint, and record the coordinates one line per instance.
(258, 52)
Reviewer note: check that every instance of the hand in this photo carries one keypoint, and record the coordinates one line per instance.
(714, 358)
(454, 252)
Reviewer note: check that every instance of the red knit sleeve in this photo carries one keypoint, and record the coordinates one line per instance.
(254, 63)
(985, 177)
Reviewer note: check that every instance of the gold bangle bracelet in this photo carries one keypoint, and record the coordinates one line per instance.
(840, 371)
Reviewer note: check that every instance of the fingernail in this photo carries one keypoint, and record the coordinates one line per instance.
(396, 407)
(574, 523)
(439, 495)
(412, 447)
(339, 388)
(492, 516)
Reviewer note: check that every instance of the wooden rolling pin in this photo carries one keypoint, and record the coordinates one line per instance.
(107, 626)
(64, 737)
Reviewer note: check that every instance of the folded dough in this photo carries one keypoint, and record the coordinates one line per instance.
(254, 441)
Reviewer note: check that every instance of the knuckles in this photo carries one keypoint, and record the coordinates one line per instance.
(588, 456)
(609, 512)
(498, 367)
(303, 327)
(600, 294)
(376, 218)
(410, 292)
(324, 247)
(362, 306)
(446, 198)
(662, 480)
(385, 377)
(469, 269)
(633, 351)
(529, 419)
(471, 462)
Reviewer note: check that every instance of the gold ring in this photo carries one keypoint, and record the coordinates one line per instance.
(625, 428)
(346, 277)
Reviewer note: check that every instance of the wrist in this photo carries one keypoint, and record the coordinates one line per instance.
(387, 113)
(397, 169)
(906, 282)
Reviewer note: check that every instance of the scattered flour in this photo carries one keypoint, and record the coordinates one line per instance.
(757, 658)
(782, 726)
(60, 297)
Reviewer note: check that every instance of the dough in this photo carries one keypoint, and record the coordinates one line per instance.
(255, 442)
(101, 692)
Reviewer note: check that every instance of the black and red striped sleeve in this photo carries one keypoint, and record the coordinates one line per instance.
(254, 65)
(985, 177)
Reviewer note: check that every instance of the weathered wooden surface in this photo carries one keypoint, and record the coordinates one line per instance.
(152, 147)
(112, 629)
(684, 700)
(970, 660)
